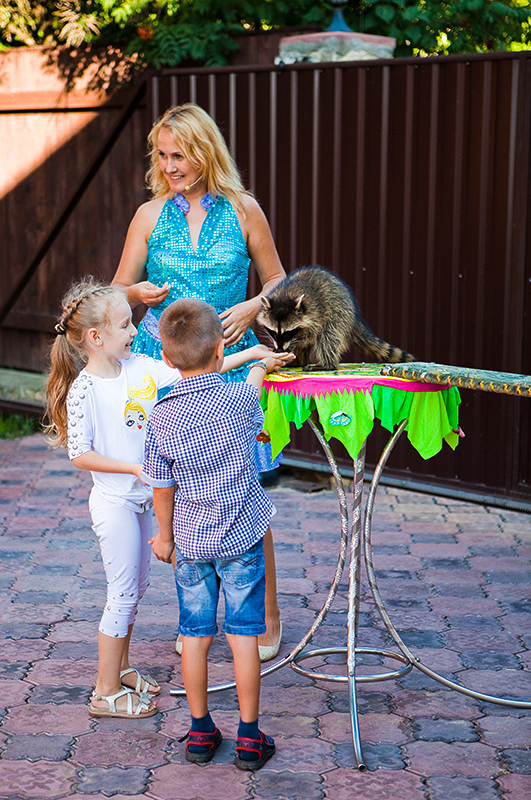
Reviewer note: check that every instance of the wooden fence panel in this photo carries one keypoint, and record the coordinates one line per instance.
(62, 215)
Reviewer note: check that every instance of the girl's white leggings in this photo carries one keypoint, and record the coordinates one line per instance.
(125, 550)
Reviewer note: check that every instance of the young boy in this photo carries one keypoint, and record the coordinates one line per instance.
(199, 458)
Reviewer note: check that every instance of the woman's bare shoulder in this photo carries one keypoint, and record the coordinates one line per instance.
(250, 204)
(148, 213)
(252, 215)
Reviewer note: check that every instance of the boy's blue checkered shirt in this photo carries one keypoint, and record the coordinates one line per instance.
(200, 438)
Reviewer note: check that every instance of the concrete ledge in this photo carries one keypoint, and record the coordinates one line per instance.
(22, 390)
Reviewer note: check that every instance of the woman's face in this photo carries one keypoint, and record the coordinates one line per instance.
(180, 173)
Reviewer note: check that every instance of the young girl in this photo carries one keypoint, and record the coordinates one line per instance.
(99, 398)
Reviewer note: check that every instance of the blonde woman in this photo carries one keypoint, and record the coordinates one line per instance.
(196, 238)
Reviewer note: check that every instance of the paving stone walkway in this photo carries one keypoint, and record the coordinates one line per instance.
(456, 580)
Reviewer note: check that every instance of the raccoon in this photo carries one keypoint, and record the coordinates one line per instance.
(313, 312)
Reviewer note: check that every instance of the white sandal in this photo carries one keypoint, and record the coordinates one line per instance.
(151, 685)
(142, 710)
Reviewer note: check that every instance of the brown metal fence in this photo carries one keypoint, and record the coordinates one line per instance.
(410, 179)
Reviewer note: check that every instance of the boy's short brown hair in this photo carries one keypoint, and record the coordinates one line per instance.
(190, 330)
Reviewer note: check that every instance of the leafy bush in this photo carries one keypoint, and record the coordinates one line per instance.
(14, 426)
(170, 32)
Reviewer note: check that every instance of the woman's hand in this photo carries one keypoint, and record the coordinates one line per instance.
(134, 257)
(147, 293)
(237, 320)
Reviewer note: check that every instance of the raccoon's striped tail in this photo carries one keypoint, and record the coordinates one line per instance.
(382, 351)
(393, 355)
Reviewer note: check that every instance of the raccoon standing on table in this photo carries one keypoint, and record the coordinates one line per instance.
(314, 311)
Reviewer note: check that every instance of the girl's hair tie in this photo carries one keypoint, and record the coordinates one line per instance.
(60, 329)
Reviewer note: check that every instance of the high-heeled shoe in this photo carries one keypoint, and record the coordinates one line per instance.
(267, 652)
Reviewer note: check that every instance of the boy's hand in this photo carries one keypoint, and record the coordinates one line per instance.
(162, 548)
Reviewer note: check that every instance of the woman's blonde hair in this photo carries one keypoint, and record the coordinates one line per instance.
(203, 145)
(86, 305)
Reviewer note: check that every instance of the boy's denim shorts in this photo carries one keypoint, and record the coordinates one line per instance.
(242, 579)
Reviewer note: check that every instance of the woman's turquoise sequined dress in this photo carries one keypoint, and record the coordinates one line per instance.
(216, 272)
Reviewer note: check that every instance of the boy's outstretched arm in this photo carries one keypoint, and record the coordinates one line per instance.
(251, 354)
(258, 371)
(163, 502)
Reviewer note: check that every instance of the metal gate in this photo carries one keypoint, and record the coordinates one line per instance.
(410, 179)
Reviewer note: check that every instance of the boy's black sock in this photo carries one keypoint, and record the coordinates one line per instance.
(248, 730)
(201, 725)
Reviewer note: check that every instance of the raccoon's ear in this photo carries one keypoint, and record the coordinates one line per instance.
(298, 303)
(265, 302)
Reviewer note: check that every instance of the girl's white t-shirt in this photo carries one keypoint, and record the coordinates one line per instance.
(109, 415)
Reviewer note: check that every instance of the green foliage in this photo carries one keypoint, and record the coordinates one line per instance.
(463, 26)
(13, 426)
(28, 23)
(170, 32)
(426, 27)
(76, 25)
(208, 43)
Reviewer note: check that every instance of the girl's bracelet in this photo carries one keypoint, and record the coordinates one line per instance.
(259, 364)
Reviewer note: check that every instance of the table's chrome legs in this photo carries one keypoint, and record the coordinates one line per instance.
(354, 589)
(416, 662)
(352, 621)
(353, 600)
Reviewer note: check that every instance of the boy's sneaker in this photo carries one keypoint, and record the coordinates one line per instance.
(208, 742)
(264, 748)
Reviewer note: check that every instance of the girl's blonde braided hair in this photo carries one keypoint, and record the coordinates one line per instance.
(85, 305)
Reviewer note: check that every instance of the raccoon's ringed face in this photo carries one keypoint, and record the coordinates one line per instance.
(288, 339)
(273, 334)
